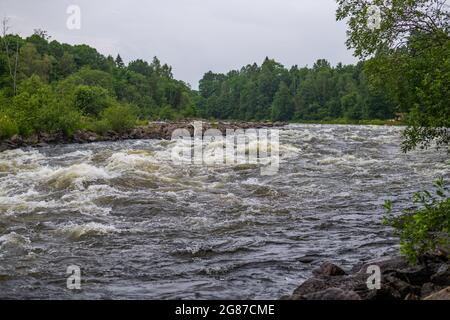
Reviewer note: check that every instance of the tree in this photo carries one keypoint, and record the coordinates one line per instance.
(283, 104)
(32, 63)
(91, 100)
(409, 51)
(119, 62)
(66, 64)
(11, 57)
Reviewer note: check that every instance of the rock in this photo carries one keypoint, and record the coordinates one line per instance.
(329, 269)
(442, 276)
(332, 294)
(386, 265)
(427, 289)
(398, 288)
(356, 283)
(399, 280)
(41, 145)
(4, 146)
(307, 259)
(31, 140)
(415, 275)
(16, 140)
(412, 296)
(154, 130)
(85, 136)
(441, 295)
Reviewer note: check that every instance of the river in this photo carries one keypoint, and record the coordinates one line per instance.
(141, 228)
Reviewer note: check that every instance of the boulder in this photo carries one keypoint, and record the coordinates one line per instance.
(386, 265)
(399, 281)
(16, 140)
(427, 289)
(442, 276)
(329, 269)
(332, 294)
(441, 295)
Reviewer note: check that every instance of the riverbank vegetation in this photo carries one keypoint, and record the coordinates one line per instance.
(48, 87)
(55, 87)
(426, 228)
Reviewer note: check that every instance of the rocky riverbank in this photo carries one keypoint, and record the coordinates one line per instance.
(399, 281)
(154, 130)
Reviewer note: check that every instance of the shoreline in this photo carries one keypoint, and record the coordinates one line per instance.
(153, 130)
(399, 281)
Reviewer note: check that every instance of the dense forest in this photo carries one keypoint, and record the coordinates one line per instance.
(59, 87)
(271, 91)
(47, 86)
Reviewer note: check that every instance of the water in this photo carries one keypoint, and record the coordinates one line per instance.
(141, 228)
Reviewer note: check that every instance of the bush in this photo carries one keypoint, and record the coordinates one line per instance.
(425, 228)
(58, 117)
(8, 127)
(100, 126)
(167, 113)
(92, 100)
(119, 118)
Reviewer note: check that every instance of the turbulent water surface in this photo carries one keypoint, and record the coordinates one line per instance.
(140, 227)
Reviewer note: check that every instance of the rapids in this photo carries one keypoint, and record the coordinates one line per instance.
(140, 227)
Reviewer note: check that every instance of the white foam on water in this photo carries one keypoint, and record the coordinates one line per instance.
(78, 231)
(128, 160)
(76, 175)
(14, 161)
(13, 239)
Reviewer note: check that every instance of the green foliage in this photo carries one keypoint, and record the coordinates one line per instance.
(63, 88)
(425, 228)
(283, 104)
(118, 118)
(410, 60)
(59, 80)
(271, 91)
(91, 100)
(8, 127)
(58, 118)
(167, 113)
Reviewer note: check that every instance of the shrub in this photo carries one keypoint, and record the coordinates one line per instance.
(119, 118)
(100, 126)
(91, 100)
(58, 117)
(167, 113)
(425, 228)
(8, 127)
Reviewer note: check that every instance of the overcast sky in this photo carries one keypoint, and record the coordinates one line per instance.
(193, 36)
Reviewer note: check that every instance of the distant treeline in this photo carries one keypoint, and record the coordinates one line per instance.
(47, 86)
(271, 91)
